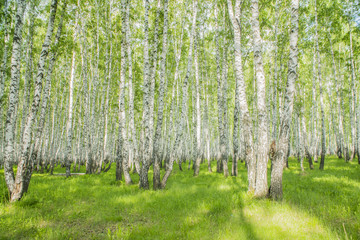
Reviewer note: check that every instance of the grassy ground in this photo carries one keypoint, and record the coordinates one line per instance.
(317, 205)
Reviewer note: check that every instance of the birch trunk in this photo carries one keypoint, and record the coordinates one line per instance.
(107, 85)
(162, 89)
(241, 92)
(224, 143)
(93, 96)
(180, 130)
(69, 129)
(314, 113)
(56, 111)
(275, 84)
(219, 95)
(175, 101)
(339, 130)
(352, 98)
(24, 169)
(86, 135)
(29, 70)
(207, 132)
(261, 187)
(123, 144)
(331, 122)
(304, 137)
(283, 144)
(13, 98)
(44, 104)
(323, 140)
(152, 71)
(301, 146)
(146, 154)
(197, 113)
(6, 23)
(77, 160)
(133, 140)
(235, 21)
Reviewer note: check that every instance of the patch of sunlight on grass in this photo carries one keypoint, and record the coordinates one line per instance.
(224, 187)
(281, 221)
(340, 181)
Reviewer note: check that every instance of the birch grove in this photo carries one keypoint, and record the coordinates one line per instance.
(146, 87)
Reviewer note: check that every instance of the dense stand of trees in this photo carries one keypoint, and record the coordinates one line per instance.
(142, 84)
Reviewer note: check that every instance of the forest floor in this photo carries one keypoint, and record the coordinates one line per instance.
(317, 205)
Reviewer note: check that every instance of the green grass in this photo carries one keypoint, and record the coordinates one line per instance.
(317, 205)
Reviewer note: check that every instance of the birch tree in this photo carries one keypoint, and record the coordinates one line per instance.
(24, 169)
(219, 95)
(283, 143)
(241, 92)
(107, 85)
(35, 154)
(180, 129)
(160, 114)
(314, 112)
(235, 21)
(339, 129)
(146, 154)
(323, 147)
(71, 96)
(4, 64)
(197, 110)
(275, 83)
(29, 67)
(86, 134)
(261, 187)
(133, 140)
(13, 99)
(123, 144)
(352, 94)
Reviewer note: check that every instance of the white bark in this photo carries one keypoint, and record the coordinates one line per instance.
(323, 140)
(29, 70)
(69, 129)
(146, 154)
(221, 79)
(107, 85)
(13, 98)
(314, 113)
(241, 92)
(304, 136)
(275, 83)
(197, 129)
(353, 119)
(283, 144)
(181, 127)
(123, 144)
(133, 139)
(93, 96)
(162, 89)
(44, 104)
(339, 129)
(153, 68)
(261, 187)
(5, 51)
(25, 166)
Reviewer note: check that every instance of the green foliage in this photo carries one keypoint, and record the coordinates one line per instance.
(317, 205)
